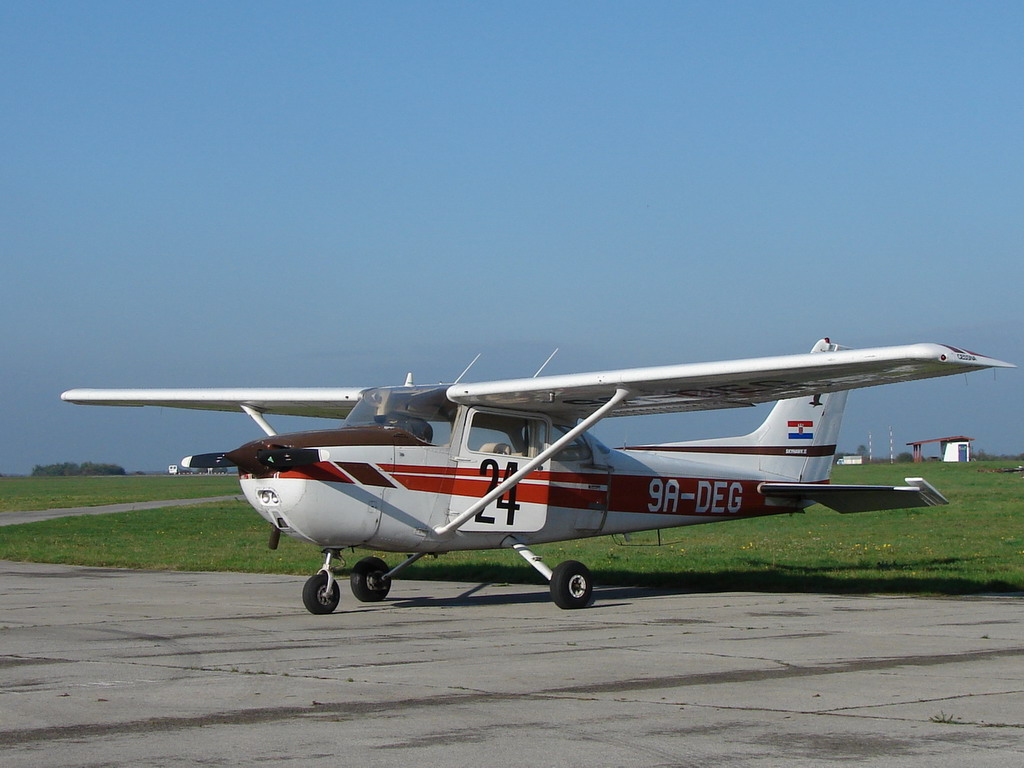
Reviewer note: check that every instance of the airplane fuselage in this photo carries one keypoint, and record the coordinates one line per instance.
(381, 488)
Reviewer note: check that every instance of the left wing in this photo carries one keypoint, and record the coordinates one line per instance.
(728, 384)
(324, 402)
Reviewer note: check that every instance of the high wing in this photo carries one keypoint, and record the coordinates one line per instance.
(663, 389)
(729, 384)
(323, 402)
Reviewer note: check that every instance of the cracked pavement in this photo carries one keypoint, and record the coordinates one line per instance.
(105, 667)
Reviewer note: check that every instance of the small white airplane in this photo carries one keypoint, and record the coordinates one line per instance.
(510, 464)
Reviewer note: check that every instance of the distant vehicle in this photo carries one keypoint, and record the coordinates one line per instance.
(510, 464)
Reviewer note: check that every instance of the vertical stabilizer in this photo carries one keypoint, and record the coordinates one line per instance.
(798, 439)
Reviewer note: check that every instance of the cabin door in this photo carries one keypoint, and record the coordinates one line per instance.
(494, 445)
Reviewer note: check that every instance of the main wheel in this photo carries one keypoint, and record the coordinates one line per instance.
(571, 585)
(317, 597)
(368, 580)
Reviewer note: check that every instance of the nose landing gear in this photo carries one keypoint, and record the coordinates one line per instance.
(321, 593)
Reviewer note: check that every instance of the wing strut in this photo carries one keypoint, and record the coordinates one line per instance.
(502, 488)
(258, 418)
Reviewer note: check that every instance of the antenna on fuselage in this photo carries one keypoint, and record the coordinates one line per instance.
(550, 358)
(408, 379)
(467, 369)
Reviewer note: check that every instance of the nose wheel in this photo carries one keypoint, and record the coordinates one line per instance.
(321, 593)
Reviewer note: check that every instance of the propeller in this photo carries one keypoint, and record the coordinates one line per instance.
(278, 458)
(286, 458)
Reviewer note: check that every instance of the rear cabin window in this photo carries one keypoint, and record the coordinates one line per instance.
(576, 451)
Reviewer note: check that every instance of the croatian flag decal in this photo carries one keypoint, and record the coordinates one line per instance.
(801, 430)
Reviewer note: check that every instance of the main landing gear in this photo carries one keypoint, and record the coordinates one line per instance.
(571, 584)
(370, 581)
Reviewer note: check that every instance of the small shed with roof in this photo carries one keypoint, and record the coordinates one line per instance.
(950, 448)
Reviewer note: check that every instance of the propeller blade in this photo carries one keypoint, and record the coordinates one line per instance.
(279, 458)
(275, 537)
(286, 458)
(207, 461)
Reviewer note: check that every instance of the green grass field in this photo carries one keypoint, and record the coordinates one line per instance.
(974, 545)
(25, 493)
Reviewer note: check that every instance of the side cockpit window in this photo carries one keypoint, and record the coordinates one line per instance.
(504, 434)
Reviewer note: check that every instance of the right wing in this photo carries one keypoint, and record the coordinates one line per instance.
(726, 384)
(322, 402)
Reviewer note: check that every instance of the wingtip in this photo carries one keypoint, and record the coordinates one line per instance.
(959, 355)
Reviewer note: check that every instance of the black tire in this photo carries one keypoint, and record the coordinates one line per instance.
(317, 598)
(368, 582)
(571, 585)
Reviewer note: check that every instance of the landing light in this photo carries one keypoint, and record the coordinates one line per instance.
(267, 497)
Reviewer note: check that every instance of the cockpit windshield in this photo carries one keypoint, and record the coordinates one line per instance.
(425, 412)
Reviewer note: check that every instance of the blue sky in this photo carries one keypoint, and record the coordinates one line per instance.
(230, 194)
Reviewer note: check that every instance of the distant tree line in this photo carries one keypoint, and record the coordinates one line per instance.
(980, 455)
(70, 469)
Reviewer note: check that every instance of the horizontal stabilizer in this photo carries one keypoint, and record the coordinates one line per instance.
(859, 498)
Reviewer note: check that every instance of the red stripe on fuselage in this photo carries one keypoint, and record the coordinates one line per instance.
(366, 474)
(741, 450)
(421, 478)
(323, 471)
(636, 494)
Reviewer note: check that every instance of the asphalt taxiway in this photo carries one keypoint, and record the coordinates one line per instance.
(102, 667)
